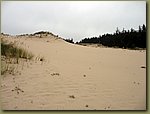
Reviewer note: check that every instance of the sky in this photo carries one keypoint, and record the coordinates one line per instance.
(71, 19)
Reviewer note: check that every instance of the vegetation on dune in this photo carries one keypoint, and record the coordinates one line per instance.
(12, 51)
(7, 67)
(69, 40)
(10, 55)
(123, 39)
(45, 33)
(42, 32)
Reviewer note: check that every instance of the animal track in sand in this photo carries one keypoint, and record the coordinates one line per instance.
(55, 74)
(3, 85)
(84, 75)
(31, 101)
(72, 96)
(17, 89)
(107, 108)
(138, 83)
(143, 66)
(86, 105)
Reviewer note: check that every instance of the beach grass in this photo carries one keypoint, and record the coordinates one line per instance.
(10, 54)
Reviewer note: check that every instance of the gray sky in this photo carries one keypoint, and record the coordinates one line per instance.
(71, 19)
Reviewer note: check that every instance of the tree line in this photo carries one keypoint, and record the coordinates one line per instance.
(122, 39)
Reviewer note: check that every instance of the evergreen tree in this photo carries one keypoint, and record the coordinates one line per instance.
(124, 39)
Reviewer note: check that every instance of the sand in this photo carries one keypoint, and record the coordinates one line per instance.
(75, 77)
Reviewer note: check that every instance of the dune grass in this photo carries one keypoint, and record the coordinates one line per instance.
(12, 51)
(10, 54)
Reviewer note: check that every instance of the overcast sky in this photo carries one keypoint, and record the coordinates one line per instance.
(70, 19)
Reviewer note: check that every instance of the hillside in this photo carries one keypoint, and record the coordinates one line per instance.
(65, 76)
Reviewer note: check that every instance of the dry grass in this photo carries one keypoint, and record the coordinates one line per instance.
(10, 55)
(10, 50)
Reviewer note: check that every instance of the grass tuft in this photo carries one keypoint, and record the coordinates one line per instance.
(10, 54)
(12, 51)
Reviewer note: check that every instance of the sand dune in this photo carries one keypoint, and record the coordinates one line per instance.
(74, 77)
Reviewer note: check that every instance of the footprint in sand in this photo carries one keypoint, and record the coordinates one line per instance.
(31, 101)
(18, 90)
(84, 75)
(143, 66)
(107, 108)
(86, 105)
(3, 85)
(138, 83)
(72, 96)
(55, 74)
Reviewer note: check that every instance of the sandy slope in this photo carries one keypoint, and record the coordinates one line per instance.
(74, 77)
